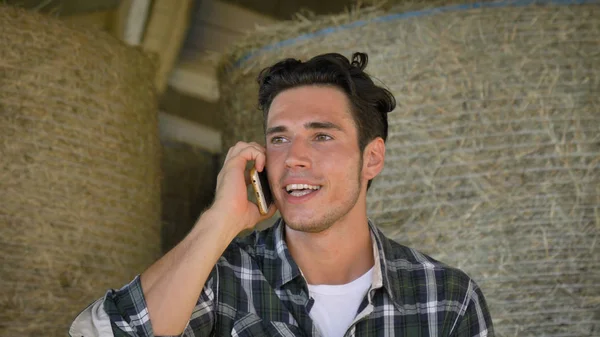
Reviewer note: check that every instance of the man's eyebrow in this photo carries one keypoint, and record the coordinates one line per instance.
(309, 125)
(322, 125)
(275, 129)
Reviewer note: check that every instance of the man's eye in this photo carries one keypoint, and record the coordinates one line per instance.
(323, 137)
(277, 140)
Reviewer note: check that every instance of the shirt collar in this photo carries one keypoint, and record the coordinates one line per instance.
(287, 269)
(383, 276)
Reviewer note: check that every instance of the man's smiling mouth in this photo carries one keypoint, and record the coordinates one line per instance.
(299, 190)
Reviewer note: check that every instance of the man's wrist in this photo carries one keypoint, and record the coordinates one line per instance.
(218, 222)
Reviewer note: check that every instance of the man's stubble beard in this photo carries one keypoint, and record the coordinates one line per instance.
(333, 215)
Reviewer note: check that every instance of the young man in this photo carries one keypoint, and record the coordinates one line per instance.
(324, 269)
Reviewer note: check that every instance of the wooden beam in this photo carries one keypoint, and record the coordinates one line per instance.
(130, 20)
(165, 34)
(230, 16)
(216, 26)
(173, 128)
(197, 78)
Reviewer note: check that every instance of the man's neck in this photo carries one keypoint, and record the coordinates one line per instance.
(338, 255)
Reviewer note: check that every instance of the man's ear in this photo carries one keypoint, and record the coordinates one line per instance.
(373, 158)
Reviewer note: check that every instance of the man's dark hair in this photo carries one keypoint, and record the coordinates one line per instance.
(369, 103)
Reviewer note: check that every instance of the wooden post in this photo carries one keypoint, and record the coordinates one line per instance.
(165, 34)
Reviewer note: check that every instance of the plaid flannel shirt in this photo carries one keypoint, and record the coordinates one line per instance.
(256, 289)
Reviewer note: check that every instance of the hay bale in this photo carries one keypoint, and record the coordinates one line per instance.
(79, 170)
(493, 158)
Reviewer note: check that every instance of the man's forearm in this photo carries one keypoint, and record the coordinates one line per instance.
(173, 284)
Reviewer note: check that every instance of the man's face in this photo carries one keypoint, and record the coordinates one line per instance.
(313, 160)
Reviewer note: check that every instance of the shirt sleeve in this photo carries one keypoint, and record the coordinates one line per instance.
(474, 319)
(92, 322)
(124, 312)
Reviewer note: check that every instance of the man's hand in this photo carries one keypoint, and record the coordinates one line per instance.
(231, 199)
(173, 284)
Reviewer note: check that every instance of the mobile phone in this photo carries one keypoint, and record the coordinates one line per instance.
(262, 190)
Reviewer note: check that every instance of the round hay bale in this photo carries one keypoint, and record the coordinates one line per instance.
(493, 155)
(79, 170)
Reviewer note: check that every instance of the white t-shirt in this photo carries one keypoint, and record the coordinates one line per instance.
(336, 306)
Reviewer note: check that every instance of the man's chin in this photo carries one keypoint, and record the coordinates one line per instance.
(306, 225)
(307, 228)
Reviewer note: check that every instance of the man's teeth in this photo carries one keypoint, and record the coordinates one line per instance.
(299, 193)
(293, 187)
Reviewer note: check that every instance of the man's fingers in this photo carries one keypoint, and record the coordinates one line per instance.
(241, 146)
(248, 151)
(247, 154)
(259, 162)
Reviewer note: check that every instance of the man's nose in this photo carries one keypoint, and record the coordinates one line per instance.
(298, 155)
